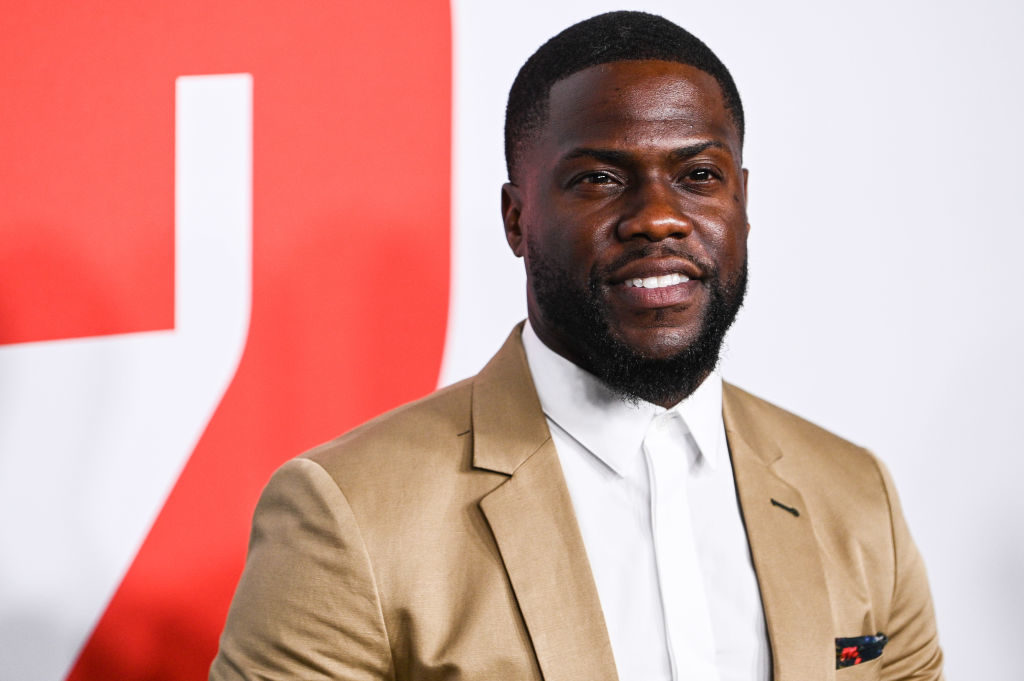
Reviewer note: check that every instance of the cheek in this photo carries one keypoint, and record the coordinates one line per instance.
(565, 243)
(733, 245)
(726, 247)
(724, 224)
(735, 251)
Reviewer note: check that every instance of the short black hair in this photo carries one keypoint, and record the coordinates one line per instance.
(610, 37)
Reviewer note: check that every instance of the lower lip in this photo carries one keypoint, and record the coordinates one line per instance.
(665, 296)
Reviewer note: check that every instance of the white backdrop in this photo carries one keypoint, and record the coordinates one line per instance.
(884, 147)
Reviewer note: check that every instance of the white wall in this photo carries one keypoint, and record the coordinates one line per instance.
(884, 145)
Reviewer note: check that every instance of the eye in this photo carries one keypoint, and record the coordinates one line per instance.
(702, 175)
(595, 182)
(596, 178)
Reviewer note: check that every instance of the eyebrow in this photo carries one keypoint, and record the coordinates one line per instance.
(617, 157)
(694, 149)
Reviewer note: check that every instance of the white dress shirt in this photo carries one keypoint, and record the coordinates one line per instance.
(655, 500)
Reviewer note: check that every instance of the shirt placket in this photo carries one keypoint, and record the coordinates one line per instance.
(688, 627)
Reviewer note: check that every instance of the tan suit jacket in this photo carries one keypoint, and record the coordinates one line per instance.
(438, 541)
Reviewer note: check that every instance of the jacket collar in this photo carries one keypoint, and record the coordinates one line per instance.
(508, 425)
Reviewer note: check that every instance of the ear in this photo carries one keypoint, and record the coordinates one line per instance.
(746, 176)
(511, 211)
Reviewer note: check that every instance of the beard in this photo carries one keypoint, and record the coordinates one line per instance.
(582, 318)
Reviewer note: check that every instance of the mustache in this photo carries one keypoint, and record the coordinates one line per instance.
(653, 250)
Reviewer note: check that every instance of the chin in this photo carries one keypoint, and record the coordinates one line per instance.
(658, 343)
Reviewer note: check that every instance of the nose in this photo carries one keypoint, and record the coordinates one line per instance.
(654, 212)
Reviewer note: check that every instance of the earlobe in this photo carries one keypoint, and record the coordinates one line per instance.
(511, 205)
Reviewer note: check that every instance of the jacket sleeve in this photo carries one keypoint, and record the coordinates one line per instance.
(913, 652)
(307, 605)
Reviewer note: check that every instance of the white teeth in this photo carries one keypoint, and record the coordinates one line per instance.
(657, 282)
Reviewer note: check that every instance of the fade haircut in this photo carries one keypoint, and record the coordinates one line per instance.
(611, 37)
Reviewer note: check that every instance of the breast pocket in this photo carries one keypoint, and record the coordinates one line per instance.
(865, 671)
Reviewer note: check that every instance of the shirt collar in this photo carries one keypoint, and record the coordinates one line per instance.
(605, 424)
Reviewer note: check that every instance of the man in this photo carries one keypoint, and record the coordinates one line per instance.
(596, 503)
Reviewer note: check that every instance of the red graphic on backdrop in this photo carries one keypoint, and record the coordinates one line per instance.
(351, 189)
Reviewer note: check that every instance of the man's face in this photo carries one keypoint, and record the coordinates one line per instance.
(630, 209)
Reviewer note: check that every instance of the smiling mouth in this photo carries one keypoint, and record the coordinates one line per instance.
(656, 282)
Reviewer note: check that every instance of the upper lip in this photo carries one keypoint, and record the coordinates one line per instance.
(656, 267)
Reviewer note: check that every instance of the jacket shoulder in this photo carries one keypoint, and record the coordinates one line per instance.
(806, 452)
(405, 436)
(408, 480)
(793, 433)
(792, 428)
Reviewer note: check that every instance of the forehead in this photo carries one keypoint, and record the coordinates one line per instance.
(642, 102)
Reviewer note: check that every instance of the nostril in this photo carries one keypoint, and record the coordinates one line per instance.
(655, 227)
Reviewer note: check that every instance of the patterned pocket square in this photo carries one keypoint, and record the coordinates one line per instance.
(851, 651)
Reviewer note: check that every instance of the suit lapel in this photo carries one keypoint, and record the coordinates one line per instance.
(532, 519)
(534, 525)
(786, 556)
